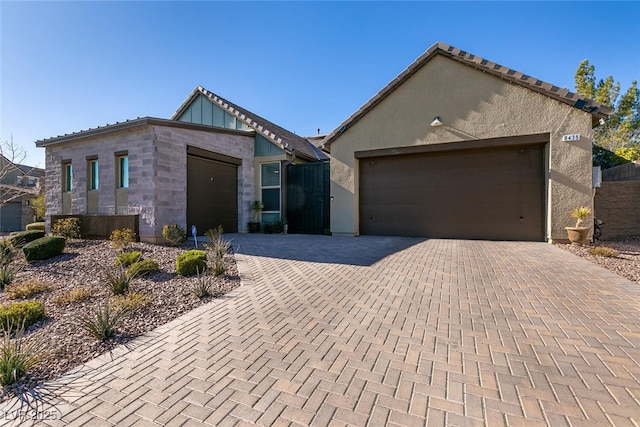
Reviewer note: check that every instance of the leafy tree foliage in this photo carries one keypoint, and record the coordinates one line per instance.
(620, 134)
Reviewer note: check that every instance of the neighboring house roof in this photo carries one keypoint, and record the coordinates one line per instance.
(563, 95)
(131, 124)
(30, 170)
(288, 141)
(11, 189)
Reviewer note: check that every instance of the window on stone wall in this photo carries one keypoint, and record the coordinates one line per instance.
(67, 177)
(94, 176)
(123, 171)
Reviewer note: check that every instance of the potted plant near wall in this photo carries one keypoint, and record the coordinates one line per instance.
(578, 234)
(256, 206)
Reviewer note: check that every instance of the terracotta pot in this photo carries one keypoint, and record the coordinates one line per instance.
(577, 235)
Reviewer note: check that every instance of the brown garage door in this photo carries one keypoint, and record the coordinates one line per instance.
(489, 193)
(212, 194)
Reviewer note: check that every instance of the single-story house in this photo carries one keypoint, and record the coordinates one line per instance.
(457, 146)
(202, 167)
(19, 184)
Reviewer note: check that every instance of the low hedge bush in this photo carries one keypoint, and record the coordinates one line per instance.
(125, 259)
(191, 262)
(140, 268)
(174, 234)
(18, 240)
(44, 248)
(35, 226)
(20, 314)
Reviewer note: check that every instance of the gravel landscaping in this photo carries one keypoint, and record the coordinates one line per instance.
(83, 265)
(626, 264)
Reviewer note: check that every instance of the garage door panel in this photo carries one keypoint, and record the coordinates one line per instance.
(212, 197)
(11, 217)
(479, 194)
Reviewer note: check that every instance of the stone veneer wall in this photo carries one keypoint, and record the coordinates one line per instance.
(616, 204)
(139, 144)
(170, 170)
(157, 172)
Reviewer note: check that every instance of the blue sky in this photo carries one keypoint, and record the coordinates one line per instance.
(68, 66)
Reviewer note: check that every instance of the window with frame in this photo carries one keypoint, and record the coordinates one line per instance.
(94, 176)
(270, 187)
(67, 177)
(123, 171)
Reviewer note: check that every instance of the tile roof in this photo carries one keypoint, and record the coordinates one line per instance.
(288, 141)
(24, 169)
(563, 95)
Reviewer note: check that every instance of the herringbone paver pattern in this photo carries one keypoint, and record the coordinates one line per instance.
(375, 331)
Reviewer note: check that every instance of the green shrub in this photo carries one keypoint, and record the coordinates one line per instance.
(175, 235)
(141, 268)
(44, 248)
(7, 252)
(18, 240)
(219, 268)
(67, 227)
(74, 295)
(36, 226)
(191, 262)
(27, 289)
(273, 227)
(219, 248)
(214, 234)
(118, 280)
(122, 239)
(21, 314)
(17, 356)
(8, 272)
(202, 286)
(104, 323)
(125, 259)
(604, 251)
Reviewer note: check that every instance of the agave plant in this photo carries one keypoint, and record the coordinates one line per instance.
(17, 355)
(104, 322)
(580, 214)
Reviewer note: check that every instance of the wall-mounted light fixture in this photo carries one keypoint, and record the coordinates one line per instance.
(436, 122)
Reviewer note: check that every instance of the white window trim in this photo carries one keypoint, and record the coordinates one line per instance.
(272, 187)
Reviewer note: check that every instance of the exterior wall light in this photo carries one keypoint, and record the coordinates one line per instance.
(436, 122)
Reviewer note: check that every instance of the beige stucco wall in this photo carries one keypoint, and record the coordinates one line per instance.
(157, 173)
(472, 105)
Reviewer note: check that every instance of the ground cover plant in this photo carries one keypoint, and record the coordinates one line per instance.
(604, 251)
(70, 316)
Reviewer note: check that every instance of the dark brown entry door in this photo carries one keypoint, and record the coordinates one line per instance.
(495, 194)
(212, 195)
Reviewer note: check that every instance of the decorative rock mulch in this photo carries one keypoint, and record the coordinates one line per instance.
(83, 265)
(627, 264)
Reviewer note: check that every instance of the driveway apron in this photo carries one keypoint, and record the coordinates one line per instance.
(376, 331)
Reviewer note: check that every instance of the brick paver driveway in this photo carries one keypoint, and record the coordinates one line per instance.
(374, 331)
